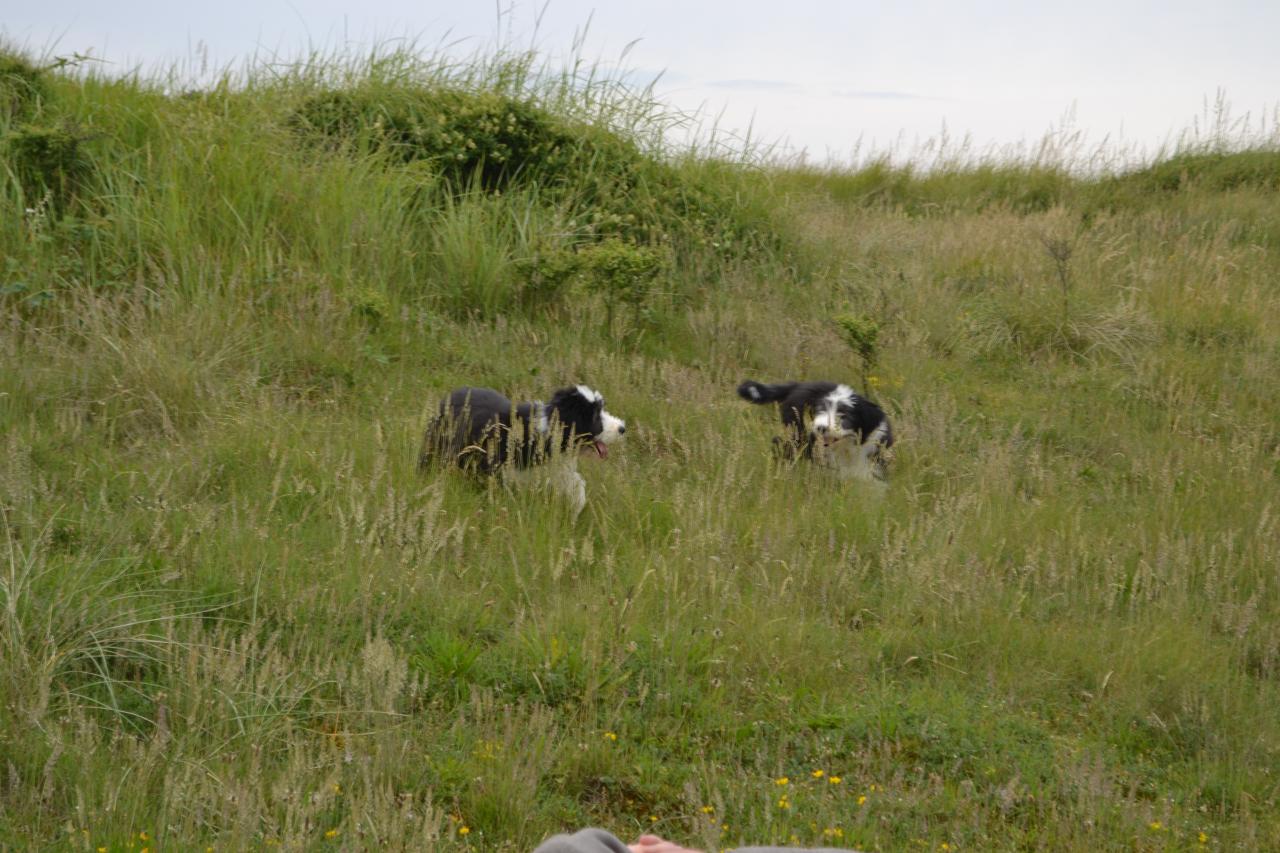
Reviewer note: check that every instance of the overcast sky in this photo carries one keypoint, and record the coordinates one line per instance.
(830, 77)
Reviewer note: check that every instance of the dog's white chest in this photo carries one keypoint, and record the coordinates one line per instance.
(849, 459)
(560, 473)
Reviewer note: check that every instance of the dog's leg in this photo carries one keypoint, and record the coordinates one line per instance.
(877, 451)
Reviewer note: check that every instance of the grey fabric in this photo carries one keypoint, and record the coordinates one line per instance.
(585, 841)
(792, 850)
(599, 841)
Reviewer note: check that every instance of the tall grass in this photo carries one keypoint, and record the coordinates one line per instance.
(233, 613)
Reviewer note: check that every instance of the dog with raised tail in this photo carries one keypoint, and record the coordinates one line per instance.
(484, 432)
(829, 423)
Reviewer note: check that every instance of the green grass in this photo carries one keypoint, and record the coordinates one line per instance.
(233, 613)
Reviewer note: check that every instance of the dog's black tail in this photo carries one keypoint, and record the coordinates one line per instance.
(758, 392)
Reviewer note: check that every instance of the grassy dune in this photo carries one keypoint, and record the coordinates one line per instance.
(234, 615)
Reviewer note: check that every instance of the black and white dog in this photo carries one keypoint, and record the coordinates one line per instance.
(830, 424)
(484, 432)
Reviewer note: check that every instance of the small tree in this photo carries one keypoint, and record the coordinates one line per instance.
(861, 333)
(547, 274)
(1060, 250)
(622, 273)
(1059, 233)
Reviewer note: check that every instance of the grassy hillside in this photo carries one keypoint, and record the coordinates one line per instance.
(233, 614)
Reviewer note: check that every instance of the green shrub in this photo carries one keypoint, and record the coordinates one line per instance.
(468, 136)
(22, 86)
(547, 274)
(1210, 171)
(49, 161)
(481, 140)
(371, 305)
(1215, 171)
(622, 273)
(861, 333)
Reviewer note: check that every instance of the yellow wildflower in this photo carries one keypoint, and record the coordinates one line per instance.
(333, 833)
(708, 809)
(1202, 838)
(862, 798)
(1156, 826)
(834, 780)
(610, 736)
(464, 830)
(781, 780)
(818, 774)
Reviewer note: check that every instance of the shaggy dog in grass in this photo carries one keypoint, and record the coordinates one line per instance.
(829, 423)
(485, 433)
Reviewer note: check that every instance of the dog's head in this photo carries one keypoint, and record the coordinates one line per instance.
(837, 417)
(583, 421)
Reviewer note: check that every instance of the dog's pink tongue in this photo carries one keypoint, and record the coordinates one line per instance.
(602, 449)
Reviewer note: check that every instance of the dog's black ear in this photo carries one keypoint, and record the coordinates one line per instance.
(574, 410)
(569, 400)
(578, 398)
